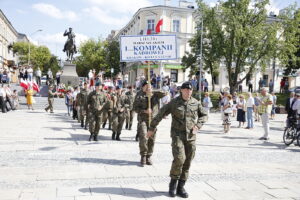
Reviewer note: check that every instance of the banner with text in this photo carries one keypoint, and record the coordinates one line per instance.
(148, 47)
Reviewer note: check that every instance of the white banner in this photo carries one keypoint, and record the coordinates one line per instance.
(148, 47)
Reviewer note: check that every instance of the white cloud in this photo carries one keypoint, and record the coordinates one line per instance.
(121, 6)
(52, 11)
(105, 17)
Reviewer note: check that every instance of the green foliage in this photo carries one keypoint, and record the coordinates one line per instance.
(53, 64)
(92, 56)
(39, 55)
(99, 55)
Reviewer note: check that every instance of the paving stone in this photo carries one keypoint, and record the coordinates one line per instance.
(282, 193)
(223, 185)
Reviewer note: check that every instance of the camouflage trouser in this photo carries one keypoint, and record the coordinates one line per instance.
(94, 123)
(129, 117)
(118, 121)
(107, 115)
(50, 104)
(146, 144)
(183, 154)
(82, 113)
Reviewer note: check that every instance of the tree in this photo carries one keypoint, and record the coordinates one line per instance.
(289, 53)
(112, 51)
(245, 39)
(39, 55)
(92, 56)
(212, 40)
(53, 64)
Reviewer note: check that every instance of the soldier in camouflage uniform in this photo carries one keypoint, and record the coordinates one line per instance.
(50, 99)
(187, 118)
(120, 103)
(107, 112)
(96, 101)
(129, 111)
(140, 106)
(82, 103)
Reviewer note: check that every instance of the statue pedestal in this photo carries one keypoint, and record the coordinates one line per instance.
(69, 76)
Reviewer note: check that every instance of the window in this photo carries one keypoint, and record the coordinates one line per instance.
(174, 75)
(176, 25)
(150, 24)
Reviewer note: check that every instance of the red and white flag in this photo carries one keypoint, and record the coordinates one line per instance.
(35, 86)
(24, 84)
(158, 25)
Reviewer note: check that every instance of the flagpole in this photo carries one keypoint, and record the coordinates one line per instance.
(149, 95)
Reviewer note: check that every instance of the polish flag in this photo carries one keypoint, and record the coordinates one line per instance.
(24, 84)
(158, 25)
(35, 86)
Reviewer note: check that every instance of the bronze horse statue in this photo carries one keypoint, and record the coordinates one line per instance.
(70, 46)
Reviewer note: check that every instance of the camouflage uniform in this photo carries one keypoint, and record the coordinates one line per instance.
(185, 116)
(120, 103)
(96, 101)
(129, 111)
(82, 104)
(50, 101)
(139, 106)
(107, 112)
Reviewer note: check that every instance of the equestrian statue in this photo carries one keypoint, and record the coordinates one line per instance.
(70, 46)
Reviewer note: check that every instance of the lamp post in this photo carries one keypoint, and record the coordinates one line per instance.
(29, 45)
(200, 58)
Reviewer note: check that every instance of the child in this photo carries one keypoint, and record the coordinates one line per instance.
(15, 99)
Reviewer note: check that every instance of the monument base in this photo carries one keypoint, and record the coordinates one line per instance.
(69, 75)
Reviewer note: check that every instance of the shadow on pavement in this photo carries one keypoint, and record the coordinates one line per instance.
(129, 192)
(239, 138)
(211, 132)
(74, 137)
(106, 161)
(47, 148)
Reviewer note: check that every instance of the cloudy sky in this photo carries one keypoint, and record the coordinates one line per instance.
(89, 18)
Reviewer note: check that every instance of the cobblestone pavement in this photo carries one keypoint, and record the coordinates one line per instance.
(47, 156)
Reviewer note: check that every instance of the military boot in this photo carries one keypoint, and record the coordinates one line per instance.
(95, 138)
(91, 137)
(82, 124)
(180, 189)
(143, 162)
(126, 127)
(113, 137)
(137, 137)
(172, 187)
(148, 160)
(109, 127)
(118, 136)
(130, 125)
(103, 125)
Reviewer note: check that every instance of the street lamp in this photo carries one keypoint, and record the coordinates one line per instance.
(29, 45)
(200, 56)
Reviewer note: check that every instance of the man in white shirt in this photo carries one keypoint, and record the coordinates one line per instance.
(38, 75)
(250, 107)
(30, 73)
(296, 105)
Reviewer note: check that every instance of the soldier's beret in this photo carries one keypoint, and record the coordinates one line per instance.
(145, 82)
(186, 85)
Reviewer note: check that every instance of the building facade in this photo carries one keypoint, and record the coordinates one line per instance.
(179, 21)
(8, 36)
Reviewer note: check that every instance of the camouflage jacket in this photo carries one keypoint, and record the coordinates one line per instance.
(130, 95)
(96, 101)
(109, 104)
(185, 115)
(141, 104)
(120, 103)
(82, 98)
(50, 94)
